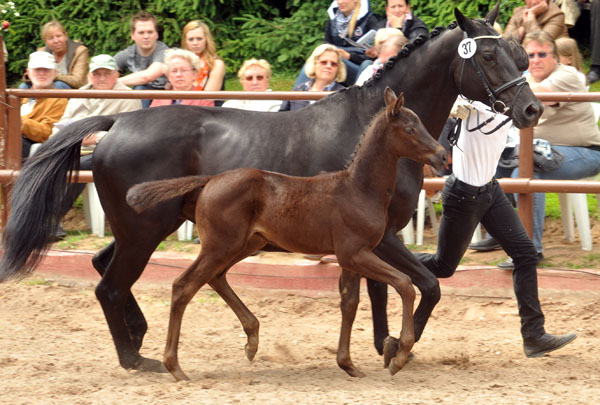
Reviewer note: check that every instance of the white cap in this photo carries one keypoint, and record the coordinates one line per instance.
(41, 59)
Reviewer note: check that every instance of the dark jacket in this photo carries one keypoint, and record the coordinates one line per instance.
(410, 28)
(289, 105)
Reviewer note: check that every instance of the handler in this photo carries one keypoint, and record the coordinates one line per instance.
(472, 195)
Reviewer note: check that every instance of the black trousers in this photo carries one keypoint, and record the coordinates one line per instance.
(595, 33)
(464, 206)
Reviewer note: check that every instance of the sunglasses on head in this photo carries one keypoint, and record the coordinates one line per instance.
(328, 62)
(257, 77)
(540, 55)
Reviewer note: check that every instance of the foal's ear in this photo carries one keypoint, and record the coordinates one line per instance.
(463, 22)
(389, 96)
(493, 14)
(399, 104)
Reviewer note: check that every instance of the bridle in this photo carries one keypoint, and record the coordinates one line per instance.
(498, 106)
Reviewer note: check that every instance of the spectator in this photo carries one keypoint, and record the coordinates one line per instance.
(39, 114)
(71, 57)
(325, 69)
(198, 39)
(398, 15)
(388, 42)
(536, 15)
(181, 68)
(570, 127)
(255, 75)
(144, 58)
(569, 55)
(103, 75)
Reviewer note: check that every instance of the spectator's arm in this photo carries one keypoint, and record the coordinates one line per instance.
(39, 128)
(153, 72)
(77, 77)
(216, 76)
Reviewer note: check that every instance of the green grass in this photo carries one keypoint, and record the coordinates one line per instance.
(279, 82)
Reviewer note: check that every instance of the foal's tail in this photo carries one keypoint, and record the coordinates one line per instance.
(146, 195)
(39, 197)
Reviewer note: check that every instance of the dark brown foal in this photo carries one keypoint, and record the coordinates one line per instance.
(344, 212)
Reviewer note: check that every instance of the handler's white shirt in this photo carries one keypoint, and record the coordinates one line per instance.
(476, 155)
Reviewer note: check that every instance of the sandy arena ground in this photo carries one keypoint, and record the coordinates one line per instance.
(55, 348)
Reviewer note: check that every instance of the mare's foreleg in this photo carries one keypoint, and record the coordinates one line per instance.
(349, 286)
(378, 296)
(392, 251)
(134, 317)
(366, 263)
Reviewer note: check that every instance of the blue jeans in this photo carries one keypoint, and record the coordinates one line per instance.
(580, 162)
(352, 71)
(58, 84)
(464, 206)
(145, 103)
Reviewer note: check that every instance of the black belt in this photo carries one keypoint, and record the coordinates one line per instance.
(594, 147)
(453, 181)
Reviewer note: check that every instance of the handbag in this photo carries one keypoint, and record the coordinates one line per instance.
(545, 157)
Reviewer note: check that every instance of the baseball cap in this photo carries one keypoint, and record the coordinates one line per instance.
(41, 59)
(103, 61)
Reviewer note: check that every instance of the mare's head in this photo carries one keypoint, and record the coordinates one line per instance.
(409, 137)
(489, 69)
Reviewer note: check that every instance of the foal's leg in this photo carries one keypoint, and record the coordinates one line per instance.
(247, 318)
(366, 263)
(349, 286)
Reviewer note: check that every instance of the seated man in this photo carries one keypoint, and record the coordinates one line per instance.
(103, 75)
(570, 127)
(398, 15)
(536, 15)
(39, 114)
(144, 58)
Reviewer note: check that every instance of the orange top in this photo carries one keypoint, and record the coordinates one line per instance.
(202, 77)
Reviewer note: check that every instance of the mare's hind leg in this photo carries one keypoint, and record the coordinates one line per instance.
(213, 260)
(365, 262)
(134, 317)
(114, 292)
(349, 286)
(248, 320)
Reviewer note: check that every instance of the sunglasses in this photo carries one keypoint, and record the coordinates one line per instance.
(540, 55)
(328, 62)
(258, 78)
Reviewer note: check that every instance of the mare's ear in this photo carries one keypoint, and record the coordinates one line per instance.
(463, 22)
(389, 96)
(399, 104)
(493, 14)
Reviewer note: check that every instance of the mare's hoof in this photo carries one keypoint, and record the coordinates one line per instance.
(390, 348)
(150, 365)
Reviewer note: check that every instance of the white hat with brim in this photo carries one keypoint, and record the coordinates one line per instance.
(41, 59)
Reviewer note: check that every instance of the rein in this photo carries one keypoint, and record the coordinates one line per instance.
(498, 106)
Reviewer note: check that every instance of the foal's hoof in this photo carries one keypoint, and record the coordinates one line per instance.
(150, 365)
(397, 363)
(390, 348)
(250, 351)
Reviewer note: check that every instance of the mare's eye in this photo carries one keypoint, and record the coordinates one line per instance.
(487, 57)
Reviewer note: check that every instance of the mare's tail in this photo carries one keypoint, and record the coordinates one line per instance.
(146, 195)
(39, 197)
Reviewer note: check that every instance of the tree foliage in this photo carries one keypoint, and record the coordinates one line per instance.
(282, 33)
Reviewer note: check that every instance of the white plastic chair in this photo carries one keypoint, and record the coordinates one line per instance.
(184, 232)
(576, 203)
(408, 232)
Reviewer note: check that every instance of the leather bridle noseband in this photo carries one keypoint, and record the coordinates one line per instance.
(498, 106)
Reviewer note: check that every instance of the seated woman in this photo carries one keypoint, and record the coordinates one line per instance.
(72, 59)
(388, 42)
(181, 69)
(198, 39)
(255, 75)
(568, 54)
(325, 69)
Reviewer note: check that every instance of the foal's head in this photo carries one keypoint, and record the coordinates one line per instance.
(409, 137)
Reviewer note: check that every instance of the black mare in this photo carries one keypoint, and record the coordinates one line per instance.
(177, 141)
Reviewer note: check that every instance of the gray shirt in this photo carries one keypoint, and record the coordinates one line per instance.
(129, 59)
